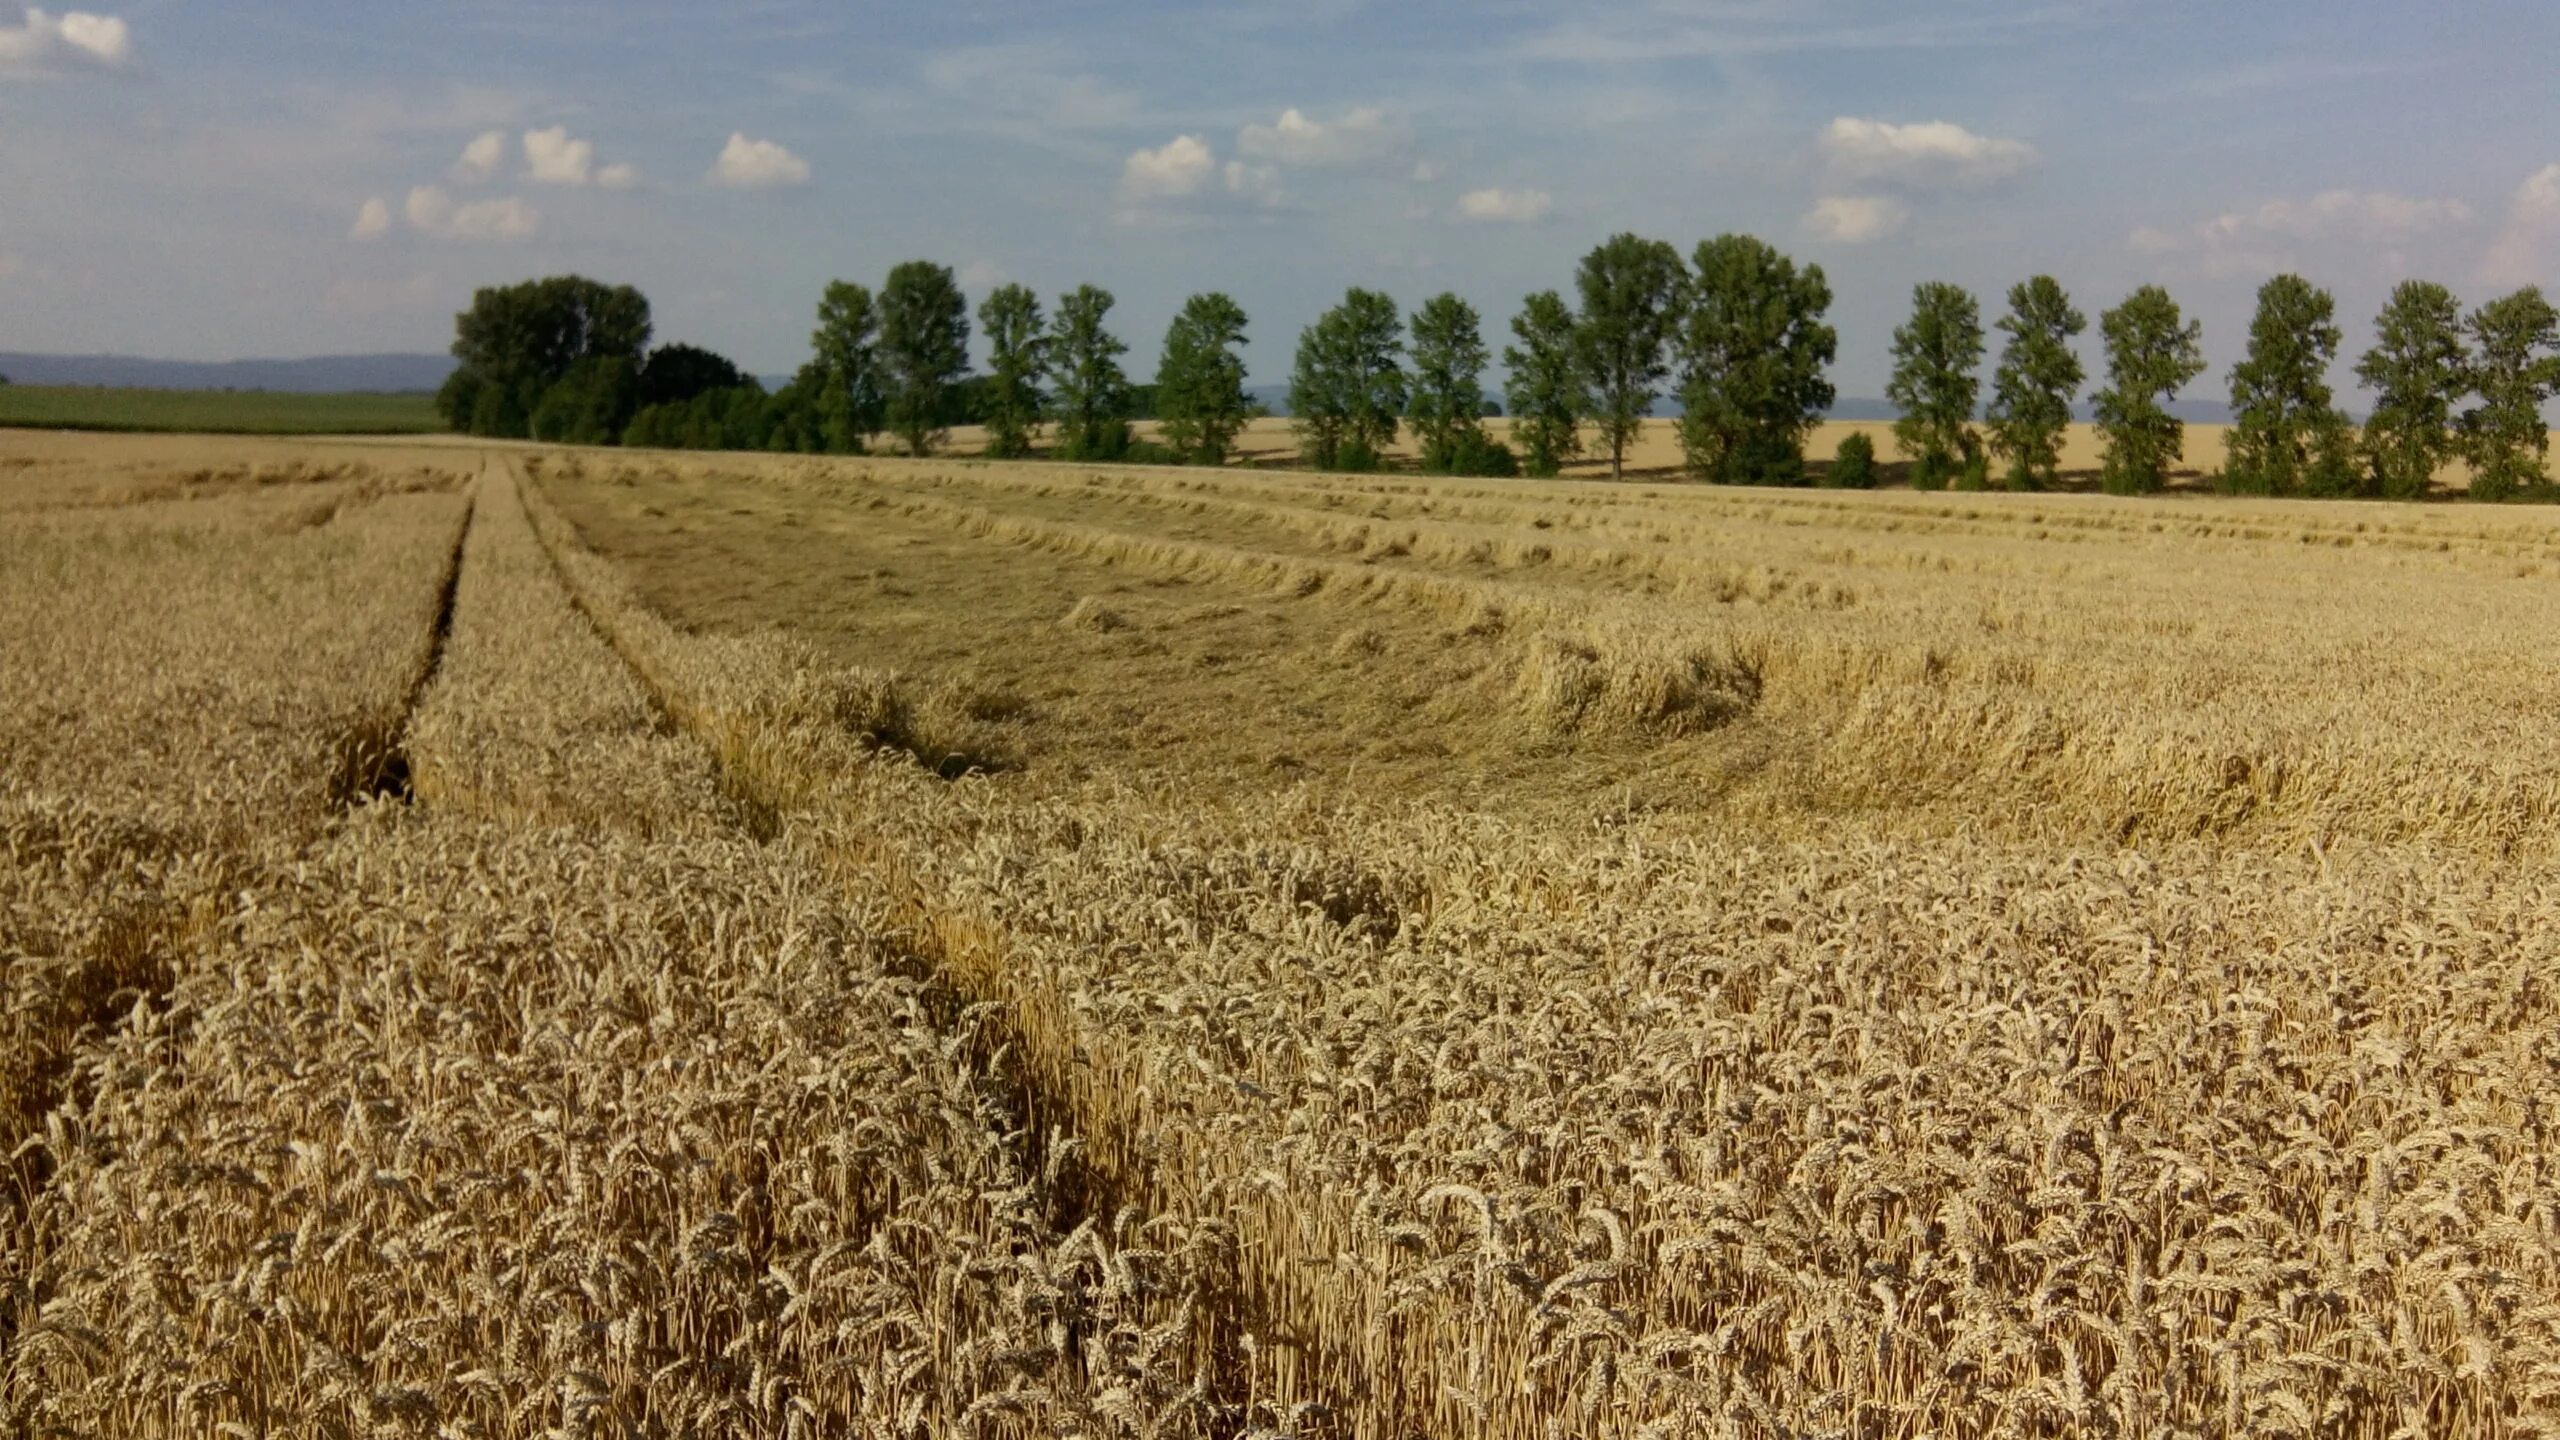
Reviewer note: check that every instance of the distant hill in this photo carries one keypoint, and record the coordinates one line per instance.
(318, 375)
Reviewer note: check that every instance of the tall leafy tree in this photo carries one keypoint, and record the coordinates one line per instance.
(844, 368)
(2152, 350)
(2038, 378)
(2515, 368)
(676, 373)
(1446, 403)
(924, 350)
(1348, 385)
(1754, 352)
(1017, 361)
(1200, 381)
(518, 341)
(1545, 389)
(1936, 354)
(2418, 370)
(2284, 430)
(1631, 291)
(1091, 397)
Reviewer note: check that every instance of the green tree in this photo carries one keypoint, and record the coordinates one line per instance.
(1018, 359)
(849, 393)
(1446, 403)
(1853, 465)
(2282, 418)
(676, 373)
(2514, 370)
(1092, 392)
(1200, 380)
(1753, 355)
(1631, 290)
(517, 341)
(1348, 385)
(1935, 355)
(591, 404)
(2418, 369)
(924, 350)
(2151, 351)
(1545, 389)
(2038, 378)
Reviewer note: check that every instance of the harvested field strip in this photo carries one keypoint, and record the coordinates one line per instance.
(1609, 670)
(1899, 712)
(1616, 1133)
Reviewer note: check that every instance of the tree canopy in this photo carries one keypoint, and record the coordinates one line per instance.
(2285, 432)
(1754, 356)
(1631, 291)
(1446, 400)
(844, 367)
(1936, 354)
(1348, 385)
(924, 350)
(2038, 378)
(1545, 390)
(1091, 398)
(2152, 351)
(1200, 380)
(1018, 357)
(2515, 369)
(517, 341)
(2418, 369)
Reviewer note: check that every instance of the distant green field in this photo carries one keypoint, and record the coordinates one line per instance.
(226, 412)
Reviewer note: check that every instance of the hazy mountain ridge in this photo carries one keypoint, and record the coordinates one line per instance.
(314, 375)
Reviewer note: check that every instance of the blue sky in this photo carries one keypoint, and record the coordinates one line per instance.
(187, 180)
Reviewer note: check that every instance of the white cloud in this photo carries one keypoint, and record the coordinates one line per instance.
(618, 177)
(1259, 184)
(433, 211)
(2262, 239)
(2517, 255)
(1855, 219)
(1934, 154)
(480, 158)
(1361, 137)
(76, 37)
(373, 220)
(1180, 166)
(552, 158)
(1517, 207)
(746, 164)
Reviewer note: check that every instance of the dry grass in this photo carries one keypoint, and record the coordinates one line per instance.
(691, 1059)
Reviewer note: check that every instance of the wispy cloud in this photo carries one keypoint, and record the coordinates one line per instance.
(434, 212)
(1515, 207)
(2520, 254)
(1360, 138)
(77, 39)
(1932, 154)
(746, 164)
(1855, 219)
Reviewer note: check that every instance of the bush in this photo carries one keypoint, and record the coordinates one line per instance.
(1356, 457)
(1853, 465)
(1976, 474)
(1150, 452)
(1932, 472)
(1471, 452)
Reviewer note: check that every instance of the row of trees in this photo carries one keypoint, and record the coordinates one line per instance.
(2288, 436)
(1737, 333)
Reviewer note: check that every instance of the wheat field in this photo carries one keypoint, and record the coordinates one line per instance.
(504, 941)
